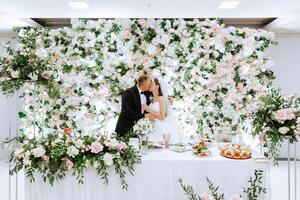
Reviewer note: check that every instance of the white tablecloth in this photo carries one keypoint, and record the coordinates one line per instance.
(156, 179)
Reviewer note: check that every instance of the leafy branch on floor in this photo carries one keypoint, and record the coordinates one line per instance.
(253, 192)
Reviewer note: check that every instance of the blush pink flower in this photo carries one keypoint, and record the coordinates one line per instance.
(96, 147)
(284, 114)
(205, 196)
(121, 146)
(262, 138)
(68, 164)
(236, 197)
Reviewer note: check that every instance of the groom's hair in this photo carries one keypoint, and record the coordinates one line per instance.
(142, 79)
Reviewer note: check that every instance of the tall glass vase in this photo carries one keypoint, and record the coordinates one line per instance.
(290, 167)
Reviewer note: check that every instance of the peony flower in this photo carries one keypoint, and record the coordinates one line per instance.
(121, 146)
(262, 138)
(206, 196)
(46, 74)
(39, 151)
(68, 164)
(108, 159)
(96, 147)
(284, 114)
(236, 197)
(72, 151)
(283, 130)
(45, 159)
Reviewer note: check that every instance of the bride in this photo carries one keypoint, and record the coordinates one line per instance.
(161, 110)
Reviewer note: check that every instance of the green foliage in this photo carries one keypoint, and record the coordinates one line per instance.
(56, 160)
(189, 191)
(254, 190)
(149, 35)
(214, 190)
(265, 123)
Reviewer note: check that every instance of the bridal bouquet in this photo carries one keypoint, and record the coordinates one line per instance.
(277, 119)
(55, 154)
(143, 127)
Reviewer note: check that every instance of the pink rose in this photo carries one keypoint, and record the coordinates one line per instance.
(205, 196)
(96, 147)
(262, 138)
(121, 146)
(283, 130)
(68, 164)
(236, 197)
(239, 87)
(45, 159)
(284, 114)
(47, 74)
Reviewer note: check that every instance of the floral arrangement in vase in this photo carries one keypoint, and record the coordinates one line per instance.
(277, 119)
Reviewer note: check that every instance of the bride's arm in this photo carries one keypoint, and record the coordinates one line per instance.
(162, 110)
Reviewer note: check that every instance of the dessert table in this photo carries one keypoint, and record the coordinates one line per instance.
(156, 178)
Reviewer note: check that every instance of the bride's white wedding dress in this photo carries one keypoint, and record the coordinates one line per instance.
(168, 126)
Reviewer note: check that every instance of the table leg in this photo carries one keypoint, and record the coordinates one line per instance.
(289, 172)
(295, 169)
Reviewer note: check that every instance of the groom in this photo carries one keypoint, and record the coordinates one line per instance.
(132, 101)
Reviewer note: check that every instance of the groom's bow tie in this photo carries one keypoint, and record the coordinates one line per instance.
(142, 92)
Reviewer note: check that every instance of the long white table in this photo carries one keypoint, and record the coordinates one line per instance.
(156, 179)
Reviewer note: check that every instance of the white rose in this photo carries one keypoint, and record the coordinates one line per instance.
(108, 159)
(78, 143)
(15, 74)
(22, 33)
(72, 151)
(114, 143)
(283, 130)
(27, 162)
(33, 77)
(41, 53)
(39, 151)
(151, 50)
(18, 151)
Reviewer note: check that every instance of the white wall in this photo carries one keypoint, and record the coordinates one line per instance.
(8, 128)
(8, 107)
(286, 56)
(287, 70)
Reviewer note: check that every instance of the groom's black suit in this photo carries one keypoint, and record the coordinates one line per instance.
(131, 110)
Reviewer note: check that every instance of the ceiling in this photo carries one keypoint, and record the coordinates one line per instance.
(248, 13)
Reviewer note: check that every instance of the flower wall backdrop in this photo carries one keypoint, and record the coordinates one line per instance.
(216, 73)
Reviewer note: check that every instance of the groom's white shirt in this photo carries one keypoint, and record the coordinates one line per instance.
(143, 99)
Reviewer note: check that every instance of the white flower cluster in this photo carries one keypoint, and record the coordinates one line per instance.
(217, 74)
(143, 127)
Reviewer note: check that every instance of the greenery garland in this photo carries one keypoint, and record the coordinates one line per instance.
(54, 155)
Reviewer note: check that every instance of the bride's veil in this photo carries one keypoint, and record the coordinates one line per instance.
(164, 89)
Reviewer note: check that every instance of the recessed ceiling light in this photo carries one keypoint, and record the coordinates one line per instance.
(78, 5)
(229, 4)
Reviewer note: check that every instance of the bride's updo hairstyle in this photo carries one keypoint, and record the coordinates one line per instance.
(159, 89)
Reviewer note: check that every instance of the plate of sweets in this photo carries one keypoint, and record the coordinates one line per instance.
(201, 150)
(236, 151)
